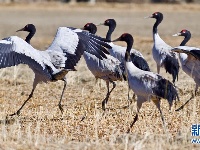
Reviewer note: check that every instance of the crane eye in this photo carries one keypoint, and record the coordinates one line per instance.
(123, 35)
(87, 25)
(156, 13)
(183, 31)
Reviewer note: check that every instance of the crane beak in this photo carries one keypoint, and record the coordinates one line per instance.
(84, 29)
(20, 30)
(99, 24)
(177, 34)
(118, 39)
(147, 17)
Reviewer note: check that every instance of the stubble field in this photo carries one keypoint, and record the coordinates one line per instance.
(84, 125)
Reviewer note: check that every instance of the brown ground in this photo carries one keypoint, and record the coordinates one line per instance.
(42, 126)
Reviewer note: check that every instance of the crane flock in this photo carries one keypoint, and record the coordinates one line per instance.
(106, 61)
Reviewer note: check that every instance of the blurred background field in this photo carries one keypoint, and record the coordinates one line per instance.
(42, 126)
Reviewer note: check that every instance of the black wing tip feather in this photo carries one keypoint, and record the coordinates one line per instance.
(102, 41)
(99, 49)
(95, 45)
(100, 38)
(196, 54)
(171, 65)
(72, 59)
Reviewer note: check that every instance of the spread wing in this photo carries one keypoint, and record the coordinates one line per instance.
(188, 50)
(14, 51)
(72, 42)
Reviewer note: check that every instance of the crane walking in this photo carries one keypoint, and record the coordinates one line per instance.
(109, 69)
(145, 84)
(190, 63)
(119, 51)
(54, 63)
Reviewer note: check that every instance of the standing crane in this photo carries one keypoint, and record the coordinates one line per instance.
(145, 84)
(189, 64)
(119, 51)
(189, 59)
(109, 69)
(54, 63)
(162, 52)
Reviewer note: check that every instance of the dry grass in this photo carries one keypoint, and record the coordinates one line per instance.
(42, 126)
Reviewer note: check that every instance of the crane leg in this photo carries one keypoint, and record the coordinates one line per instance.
(158, 68)
(129, 99)
(157, 103)
(140, 100)
(128, 93)
(104, 102)
(18, 111)
(185, 103)
(107, 95)
(134, 120)
(195, 91)
(59, 104)
(114, 85)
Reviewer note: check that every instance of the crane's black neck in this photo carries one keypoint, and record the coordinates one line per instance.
(29, 36)
(159, 19)
(129, 42)
(186, 39)
(110, 31)
(155, 27)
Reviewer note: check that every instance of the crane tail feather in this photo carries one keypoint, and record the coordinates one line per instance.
(165, 89)
(171, 65)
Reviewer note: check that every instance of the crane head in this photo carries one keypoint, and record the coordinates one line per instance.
(28, 28)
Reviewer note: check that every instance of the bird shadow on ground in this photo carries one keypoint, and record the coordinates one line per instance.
(8, 120)
(11, 120)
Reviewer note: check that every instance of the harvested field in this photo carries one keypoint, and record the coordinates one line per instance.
(41, 124)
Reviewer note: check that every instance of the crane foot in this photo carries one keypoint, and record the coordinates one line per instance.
(60, 107)
(16, 113)
(103, 105)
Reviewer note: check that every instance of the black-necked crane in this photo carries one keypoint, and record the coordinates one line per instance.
(145, 84)
(109, 69)
(188, 57)
(54, 63)
(189, 64)
(119, 51)
(162, 52)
